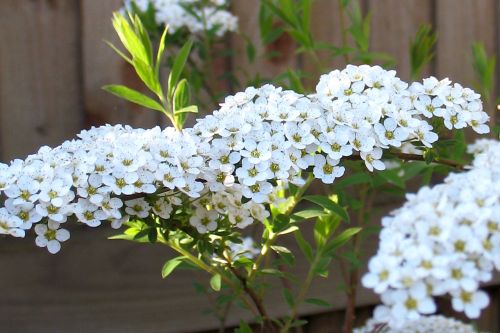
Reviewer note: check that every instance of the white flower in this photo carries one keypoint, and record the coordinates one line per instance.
(372, 160)
(425, 135)
(258, 192)
(10, 224)
(51, 236)
(382, 273)
(163, 208)
(249, 173)
(204, 220)
(390, 134)
(224, 160)
(256, 152)
(299, 134)
(470, 302)
(137, 207)
(121, 182)
(326, 169)
(89, 213)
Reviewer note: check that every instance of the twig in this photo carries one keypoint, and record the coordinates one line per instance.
(268, 325)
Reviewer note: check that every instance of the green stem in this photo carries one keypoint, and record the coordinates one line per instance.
(304, 288)
(207, 268)
(353, 277)
(272, 237)
(267, 323)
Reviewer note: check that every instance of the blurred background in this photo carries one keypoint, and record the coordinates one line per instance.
(53, 63)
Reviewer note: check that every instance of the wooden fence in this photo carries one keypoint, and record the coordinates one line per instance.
(52, 66)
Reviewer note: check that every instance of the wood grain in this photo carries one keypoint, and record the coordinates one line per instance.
(394, 24)
(460, 24)
(40, 83)
(101, 66)
(248, 14)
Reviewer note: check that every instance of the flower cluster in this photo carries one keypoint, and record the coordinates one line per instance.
(444, 240)
(194, 15)
(430, 324)
(228, 166)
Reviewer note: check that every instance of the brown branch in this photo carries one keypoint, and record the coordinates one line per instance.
(366, 196)
(414, 157)
(268, 325)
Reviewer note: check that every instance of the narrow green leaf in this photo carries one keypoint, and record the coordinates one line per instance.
(272, 271)
(161, 51)
(188, 109)
(130, 39)
(306, 214)
(304, 246)
(318, 302)
(120, 53)
(181, 95)
(341, 239)
(134, 97)
(215, 282)
(421, 49)
(147, 75)
(178, 67)
(287, 295)
(328, 204)
(170, 266)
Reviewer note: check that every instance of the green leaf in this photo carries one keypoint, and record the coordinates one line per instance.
(295, 83)
(306, 14)
(250, 50)
(272, 271)
(325, 226)
(130, 38)
(147, 75)
(134, 97)
(120, 53)
(285, 254)
(484, 67)
(318, 302)
(287, 295)
(391, 176)
(182, 95)
(178, 67)
(328, 204)
(188, 109)
(244, 328)
(304, 246)
(161, 51)
(306, 215)
(421, 50)
(143, 35)
(341, 239)
(170, 266)
(215, 282)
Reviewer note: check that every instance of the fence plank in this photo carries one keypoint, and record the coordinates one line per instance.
(248, 14)
(460, 24)
(40, 86)
(102, 66)
(394, 23)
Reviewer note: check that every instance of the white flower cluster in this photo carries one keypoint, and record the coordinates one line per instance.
(194, 15)
(230, 161)
(428, 324)
(444, 240)
(92, 178)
